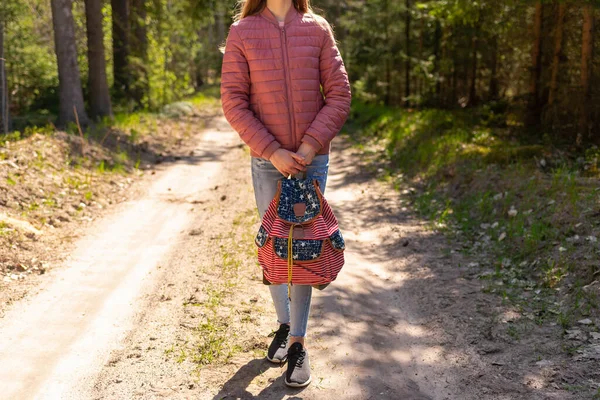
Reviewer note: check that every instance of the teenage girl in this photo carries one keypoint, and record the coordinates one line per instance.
(285, 90)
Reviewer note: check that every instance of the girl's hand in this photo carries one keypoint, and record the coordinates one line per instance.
(287, 162)
(307, 152)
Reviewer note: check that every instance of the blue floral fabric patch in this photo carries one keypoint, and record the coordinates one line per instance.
(261, 237)
(295, 191)
(302, 250)
(337, 240)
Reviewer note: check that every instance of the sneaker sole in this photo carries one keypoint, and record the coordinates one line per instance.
(298, 385)
(276, 360)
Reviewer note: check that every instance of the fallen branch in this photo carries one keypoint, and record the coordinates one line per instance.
(105, 136)
(9, 162)
(80, 132)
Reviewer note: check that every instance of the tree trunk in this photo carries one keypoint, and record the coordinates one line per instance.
(558, 39)
(408, 55)
(388, 56)
(454, 89)
(494, 87)
(534, 109)
(585, 128)
(69, 81)
(120, 33)
(419, 79)
(437, 38)
(220, 21)
(4, 109)
(100, 105)
(474, 64)
(139, 85)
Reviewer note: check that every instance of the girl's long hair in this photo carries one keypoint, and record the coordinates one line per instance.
(252, 7)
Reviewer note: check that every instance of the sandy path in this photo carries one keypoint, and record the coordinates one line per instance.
(53, 345)
(400, 322)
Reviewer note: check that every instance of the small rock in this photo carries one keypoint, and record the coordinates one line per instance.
(595, 335)
(502, 236)
(512, 212)
(592, 352)
(196, 232)
(585, 321)
(591, 239)
(575, 334)
(544, 363)
(223, 198)
(490, 349)
(592, 287)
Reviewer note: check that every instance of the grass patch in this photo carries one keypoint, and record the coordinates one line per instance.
(220, 333)
(524, 210)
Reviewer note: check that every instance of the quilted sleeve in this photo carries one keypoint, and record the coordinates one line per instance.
(235, 99)
(336, 88)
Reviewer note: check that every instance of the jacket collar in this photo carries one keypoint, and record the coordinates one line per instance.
(289, 17)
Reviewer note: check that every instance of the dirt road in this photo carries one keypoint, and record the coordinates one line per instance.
(162, 299)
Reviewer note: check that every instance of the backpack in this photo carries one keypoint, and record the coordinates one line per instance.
(299, 241)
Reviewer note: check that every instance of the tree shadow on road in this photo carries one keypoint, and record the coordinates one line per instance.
(404, 321)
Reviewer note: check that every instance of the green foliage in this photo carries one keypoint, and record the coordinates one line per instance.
(431, 142)
(183, 40)
(31, 62)
(483, 187)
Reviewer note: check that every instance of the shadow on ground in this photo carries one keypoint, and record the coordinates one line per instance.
(404, 321)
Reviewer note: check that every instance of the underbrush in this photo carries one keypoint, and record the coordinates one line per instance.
(526, 211)
(52, 179)
(126, 136)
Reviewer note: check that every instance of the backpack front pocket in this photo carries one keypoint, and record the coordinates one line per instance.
(302, 250)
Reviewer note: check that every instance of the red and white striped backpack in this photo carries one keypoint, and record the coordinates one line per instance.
(299, 241)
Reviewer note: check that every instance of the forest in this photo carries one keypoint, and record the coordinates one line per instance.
(531, 63)
(465, 181)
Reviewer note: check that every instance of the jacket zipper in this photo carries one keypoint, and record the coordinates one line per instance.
(286, 63)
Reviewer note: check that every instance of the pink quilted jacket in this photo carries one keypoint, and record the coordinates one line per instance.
(271, 83)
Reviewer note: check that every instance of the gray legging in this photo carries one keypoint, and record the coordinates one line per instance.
(264, 179)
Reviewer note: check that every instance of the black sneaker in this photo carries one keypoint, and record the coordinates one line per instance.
(278, 349)
(298, 369)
